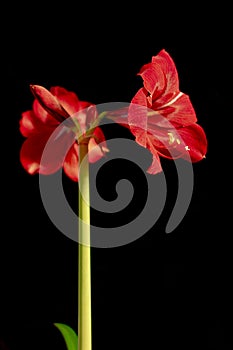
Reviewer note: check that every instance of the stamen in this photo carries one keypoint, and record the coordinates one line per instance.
(171, 138)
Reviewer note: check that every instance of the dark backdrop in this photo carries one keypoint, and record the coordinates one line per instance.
(161, 290)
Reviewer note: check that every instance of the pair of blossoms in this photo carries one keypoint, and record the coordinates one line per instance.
(161, 118)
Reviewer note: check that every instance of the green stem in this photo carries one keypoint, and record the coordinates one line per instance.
(84, 254)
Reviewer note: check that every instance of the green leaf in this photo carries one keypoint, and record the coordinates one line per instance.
(69, 335)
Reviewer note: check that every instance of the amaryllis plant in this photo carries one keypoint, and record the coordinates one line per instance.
(160, 117)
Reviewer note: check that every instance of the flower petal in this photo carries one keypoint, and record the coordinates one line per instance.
(49, 102)
(26, 123)
(189, 143)
(42, 115)
(45, 152)
(153, 80)
(179, 111)
(68, 100)
(160, 79)
(137, 117)
(30, 124)
(31, 153)
(195, 142)
(167, 65)
(97, 146)
(71, 163)
(167, 142)
(155, 166)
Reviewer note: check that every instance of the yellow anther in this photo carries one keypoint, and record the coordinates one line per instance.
(171, 138)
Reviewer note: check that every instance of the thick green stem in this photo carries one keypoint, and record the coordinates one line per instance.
(84, 254)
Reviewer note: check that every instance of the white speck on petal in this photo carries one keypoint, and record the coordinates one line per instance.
(187, 148)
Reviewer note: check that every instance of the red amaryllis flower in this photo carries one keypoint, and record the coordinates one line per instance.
(59, 115)
(162, 118)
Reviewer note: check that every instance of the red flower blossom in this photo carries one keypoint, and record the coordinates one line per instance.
(49, 110)
(162, 118)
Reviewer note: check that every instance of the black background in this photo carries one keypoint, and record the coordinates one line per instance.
(161, 290)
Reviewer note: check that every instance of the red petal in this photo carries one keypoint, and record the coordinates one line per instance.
(97, 146)
(44, 153)
(137, 117)
(179, 111)
(153, 79)
(167, 65)
(95, 152)
(31, 152)
(31, 124)
(140, 98)
(140, 115)
(195, 142)
(160, 79)
(71, 163)
(42, 115)
(146, 123)
(189, 143)
(155, 166)
(68, 99)
(26, 123)
(168, 143)
(49, 102)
